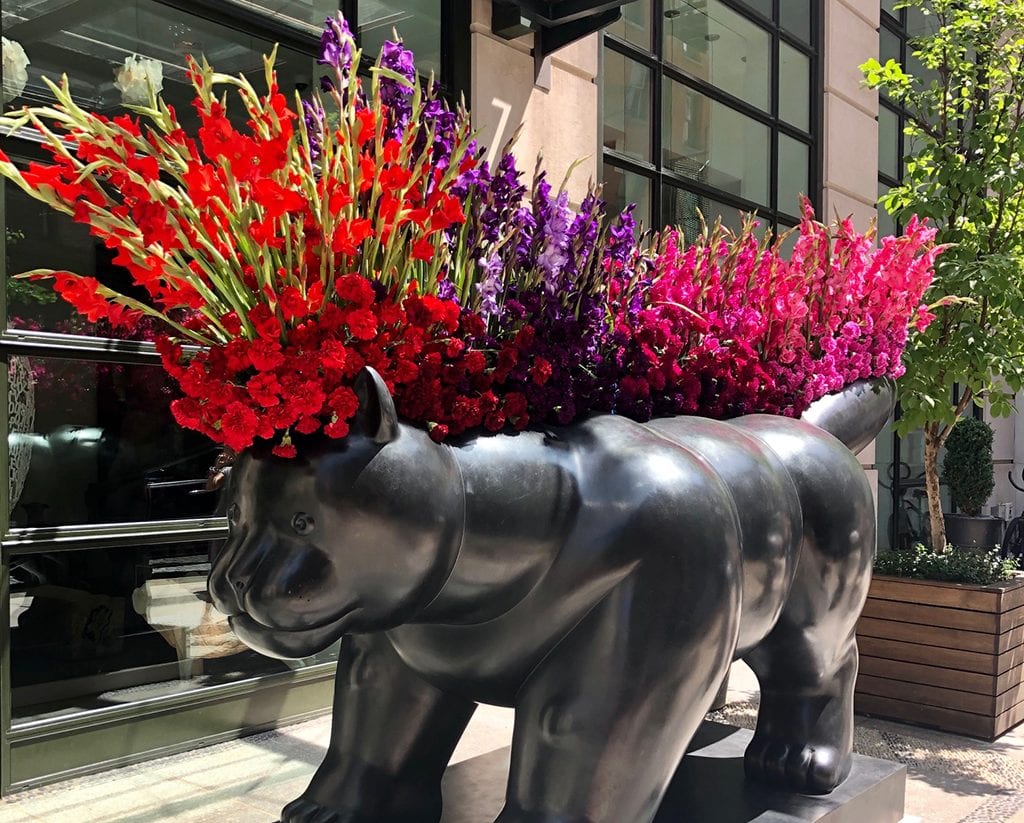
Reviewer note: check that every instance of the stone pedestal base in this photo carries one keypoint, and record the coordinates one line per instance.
(709, 787)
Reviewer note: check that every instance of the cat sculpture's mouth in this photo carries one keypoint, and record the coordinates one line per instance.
(290, 643)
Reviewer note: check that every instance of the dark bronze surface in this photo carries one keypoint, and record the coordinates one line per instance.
(600, 578)
(707, 787)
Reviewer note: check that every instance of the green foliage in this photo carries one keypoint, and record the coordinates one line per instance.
(24, 291)
(966, 174)
(967, 467)
(952, 566)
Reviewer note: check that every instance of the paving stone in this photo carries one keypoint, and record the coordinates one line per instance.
(952, 779)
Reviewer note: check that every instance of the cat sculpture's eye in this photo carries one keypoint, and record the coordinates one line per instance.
(303, 523)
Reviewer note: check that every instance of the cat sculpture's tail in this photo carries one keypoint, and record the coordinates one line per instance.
(856, 414)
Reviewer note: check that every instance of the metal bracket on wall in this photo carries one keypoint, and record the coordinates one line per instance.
(554, 23)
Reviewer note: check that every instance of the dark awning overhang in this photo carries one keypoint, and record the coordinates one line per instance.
(555, 23)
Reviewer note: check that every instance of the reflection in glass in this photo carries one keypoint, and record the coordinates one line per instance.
(40, 238)
(794, 163)
(920, 24)
(104, 448)
(634, 25)
(794, 87)
(889, 7)
(418, 23)
(886, 225)
(627, 106)
(762, 6)
(91, 41)
(888, 142)
(684, 208)
(103, 628)
(795, 17)
(790, 236)
(623, 187)
(886, 480)
(888, 46)
(713, 42)
(707, 141)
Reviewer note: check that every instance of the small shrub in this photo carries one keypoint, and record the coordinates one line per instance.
(967, 468)
(952, 566)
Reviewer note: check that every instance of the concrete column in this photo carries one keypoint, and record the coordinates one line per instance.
(850, 133)
(850, 179)
(559, 108)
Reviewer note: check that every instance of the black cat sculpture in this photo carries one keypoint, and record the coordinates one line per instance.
(599, 577)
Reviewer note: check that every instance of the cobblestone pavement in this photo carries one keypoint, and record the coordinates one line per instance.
(952, 779)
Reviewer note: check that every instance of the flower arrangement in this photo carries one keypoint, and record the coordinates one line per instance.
(362, 227)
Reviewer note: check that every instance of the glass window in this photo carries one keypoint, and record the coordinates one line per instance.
(789, 236)
(888, 142)
(102, 628)
(795, 17)
(90, 42)
(762, 6)
(306, 12)
(720, 46)
(635, 24)
(707, 141)
(729, 74)
(37, 237)
(888, 46)
(919, 25)
(684, 208)
(886, 225)
(794, 165)
(418, 23)
(627, 106)
(889, 7)
(794, 87)
(96, 443)
(623, 187)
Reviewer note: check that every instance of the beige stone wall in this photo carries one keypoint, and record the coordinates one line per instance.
(850, 138)
(559, 112)
(850, 129)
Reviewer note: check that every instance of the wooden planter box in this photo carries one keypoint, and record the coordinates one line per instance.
(946, 655)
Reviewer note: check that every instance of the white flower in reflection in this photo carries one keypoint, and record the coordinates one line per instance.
(135, 77)
(15, 69)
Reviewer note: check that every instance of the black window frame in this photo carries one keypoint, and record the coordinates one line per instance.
(660, 179)
(311, 686)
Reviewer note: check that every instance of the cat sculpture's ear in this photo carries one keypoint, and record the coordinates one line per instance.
(376, 417)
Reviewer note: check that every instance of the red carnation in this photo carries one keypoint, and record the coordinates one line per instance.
(343, 402)
(337, 429)
(238, 426)
(362, 324)
(540, 372)
(292, 303)
(284, 449)
(265, 321)
(355, 289)
(265, 389)
(265, 355)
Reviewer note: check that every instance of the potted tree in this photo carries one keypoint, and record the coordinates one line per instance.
(967, 472)
(940, 633)
(967, 129)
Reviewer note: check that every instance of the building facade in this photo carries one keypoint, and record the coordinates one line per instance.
(112, 653)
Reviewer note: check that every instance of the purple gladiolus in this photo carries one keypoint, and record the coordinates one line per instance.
(554, 256)
(490, 287)
(394, 94)
(337, 46)
(314, 116)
